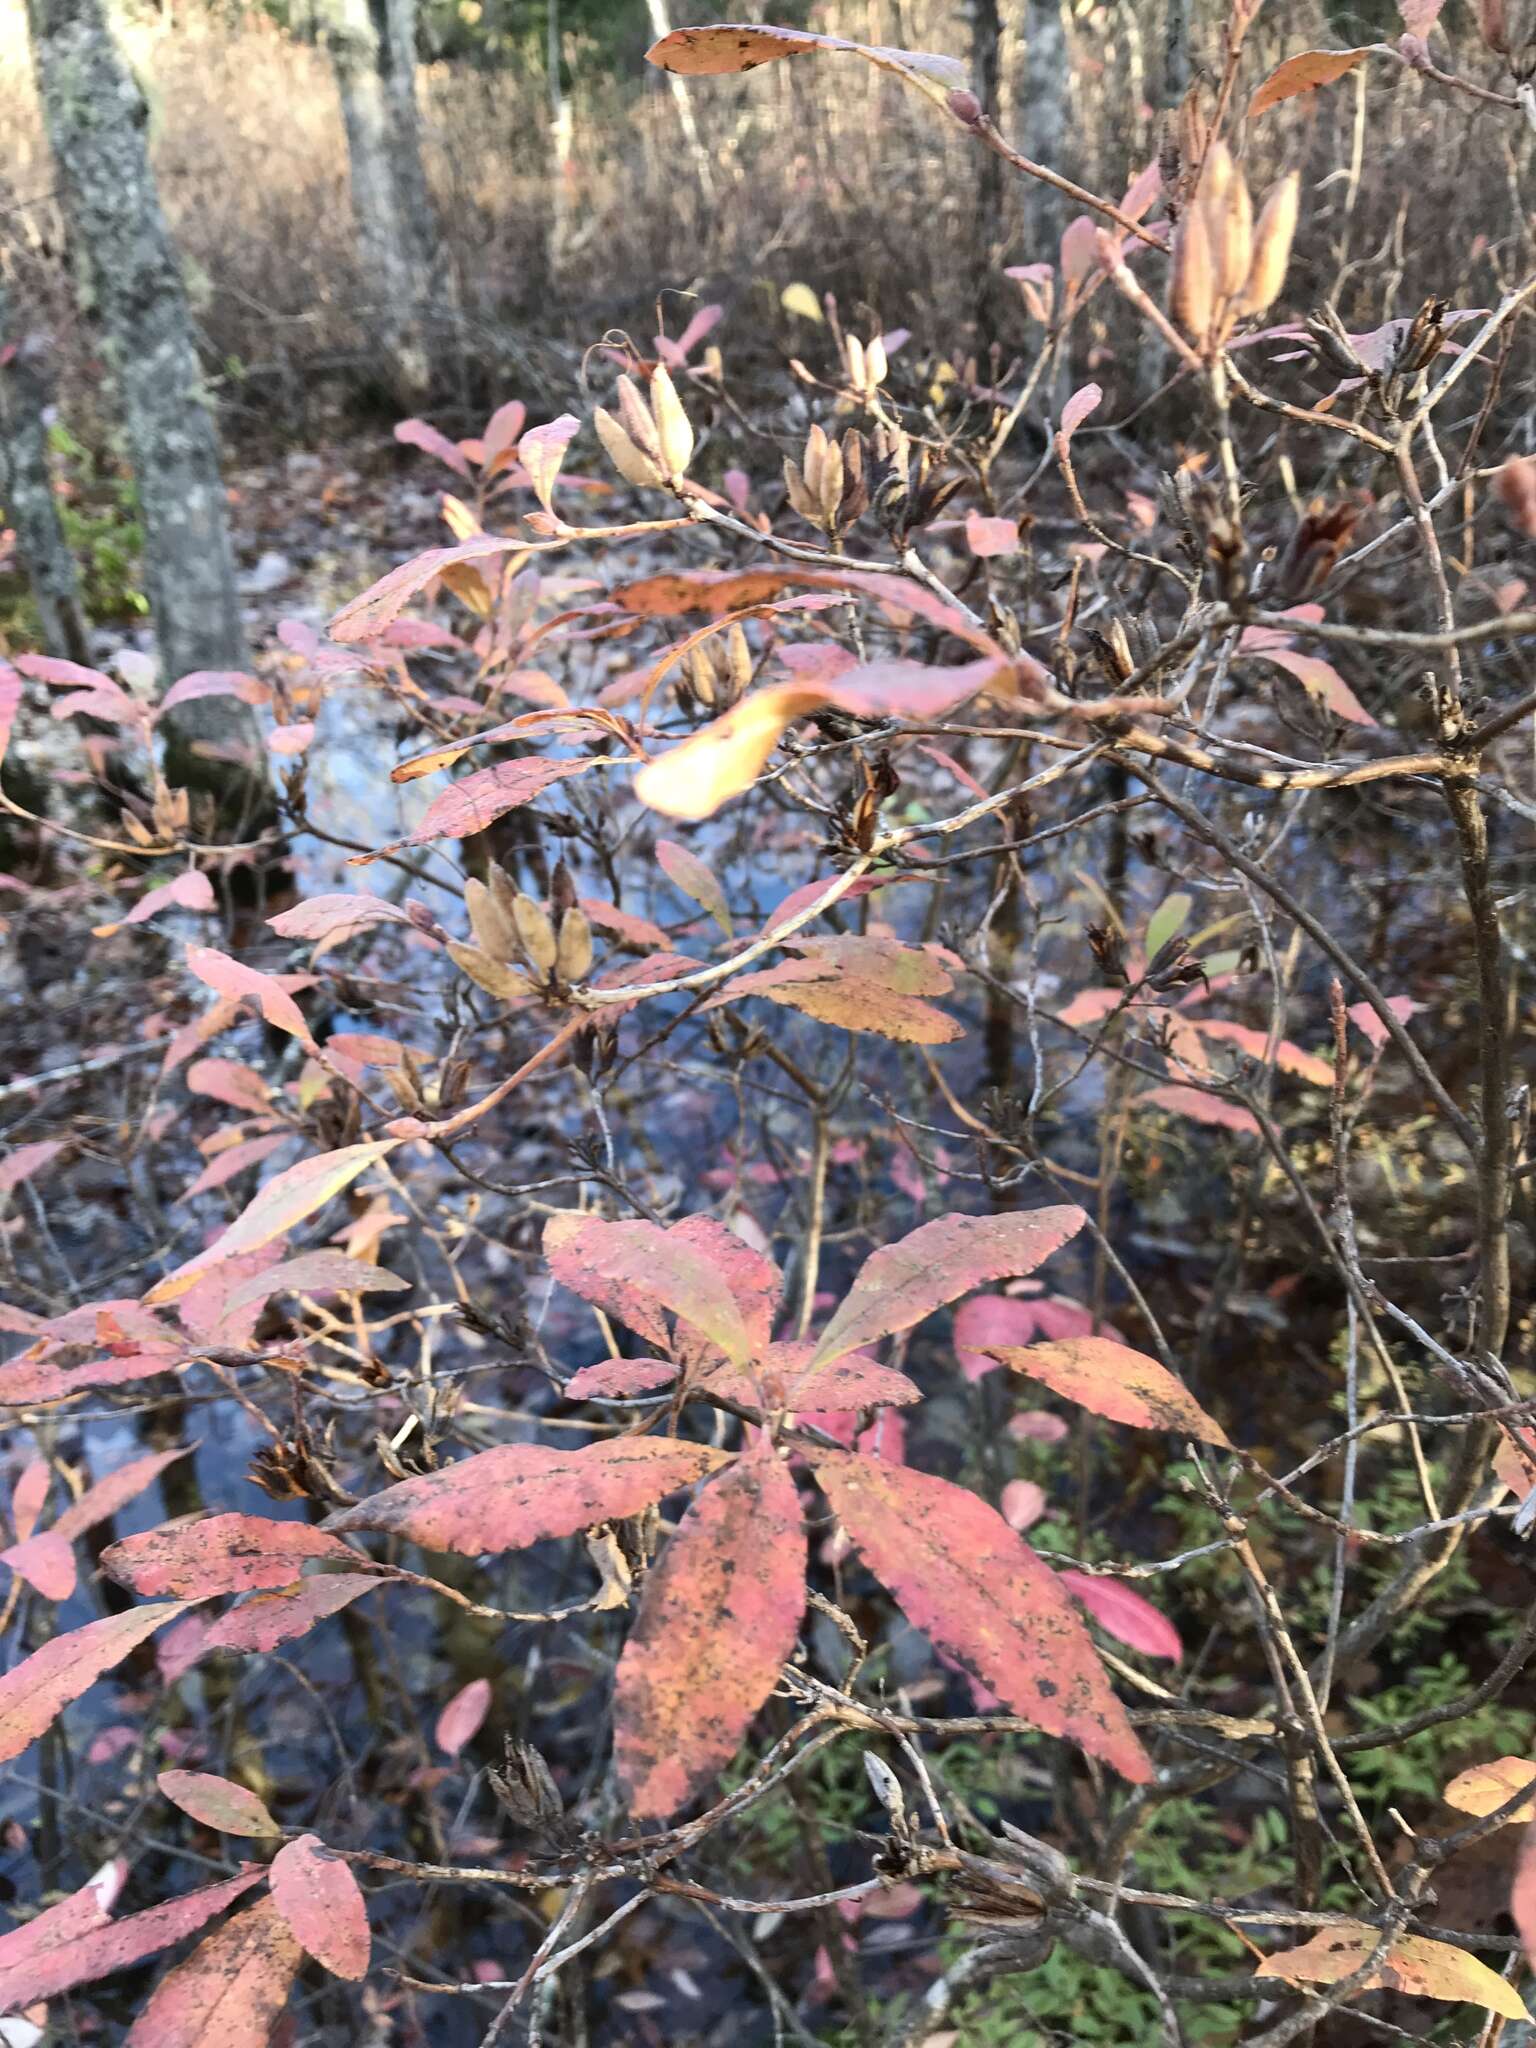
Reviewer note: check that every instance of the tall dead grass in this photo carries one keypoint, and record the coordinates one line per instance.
(825, 171)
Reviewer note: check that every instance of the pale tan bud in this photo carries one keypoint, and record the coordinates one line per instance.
(875, 361)
(1192, 295)
(491, 923)
(632, 463)
(1272, 246)
(815, 455)
(535, 933)
(800, 493)
(831, 482)
(673, 432)
(701, 675)
(858, 371)
(573, 956)
(1229, 223)
(638, 421)
(1216, 174)
(494, 976)
(738, 660)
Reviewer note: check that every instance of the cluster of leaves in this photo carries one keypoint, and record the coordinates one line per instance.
(746, 1465)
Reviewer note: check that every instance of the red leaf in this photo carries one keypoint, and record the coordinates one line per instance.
(1202, 1108)
(75, 1943)
(213, 682)
(367, 616)
(503, 429)
(718, 1619)
(37, 1690)
(419, 434)
(637, 1269)
(635, 931)
(1289, 1058)
(47, 1561)
(988, 1321)
(461, 1718)
(265, 1620)
(229, 1991)
(901, 1283)
(26, 1160)
(283, 1202)
(987, 537)
(221, 1554)
(319, 1898)
(467, 807)
(1125, 1615)
(689, 874)
(1365, 1019)
(229, 1082)
(227, 1165)
(1120, 1384)
(232, 978)
(325, 917)
(189, 891)
(218, 1803)
(1320, 679)
(979, 1592)
(507, 1498)
(620, 1378)
(1077, 409)
(1304, 73)
(28, 1496)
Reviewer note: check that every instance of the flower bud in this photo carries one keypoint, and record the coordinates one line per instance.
(632, 463)
(1192, 294)
(673, 433)
(535, 933)
(1272, 246)
(573, 955)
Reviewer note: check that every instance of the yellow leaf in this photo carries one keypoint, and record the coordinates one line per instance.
(1414, 1965)
(695, 779)
(800, 300)
(1484, 1788)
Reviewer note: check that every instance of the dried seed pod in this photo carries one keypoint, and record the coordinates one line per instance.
(502, 886)
(1228, 210)
(673, 433)
(638, 421)
(854, 502)
(738, 660)
(494, 976)
(700, 673)
(493, 928)
(562, 890)
(799, 493)
(573, 955)
(535, 933)
(1192, 296)
(858, 372)
(632, 463)
(811, 462)
(526, 1789)
(830, 483)
(1272, 246)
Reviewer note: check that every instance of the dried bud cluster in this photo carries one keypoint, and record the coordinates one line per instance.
(716, 673)
(829, 487)
(867, 365)
(1227, 266)
(521, 948)
(647, 445)
(906, 494)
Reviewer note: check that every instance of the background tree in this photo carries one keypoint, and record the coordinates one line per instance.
(373, 54)
(127, 267)
(26, 488)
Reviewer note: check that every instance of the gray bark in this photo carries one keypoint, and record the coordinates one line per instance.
(990, 232)
(1044, 117)
(26, 490)
(373, 56)
(125, 260)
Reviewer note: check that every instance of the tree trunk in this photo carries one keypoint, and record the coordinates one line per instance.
(990, 232)
(373, 55)
(1044, 119)
(132, 283)
(661, 25)
(26, 490)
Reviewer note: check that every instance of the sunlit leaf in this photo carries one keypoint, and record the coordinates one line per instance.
(1111, 1380)
(220, 1554)
(462, 1717)
(229, 1991)
(1304, 73)
(36, 1691)
(1485, 1788)
(218, 1803)
(1412, 1964)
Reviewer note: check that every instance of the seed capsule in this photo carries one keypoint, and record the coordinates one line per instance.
(535, 933)
(573, 956)
(632, 463)
(1272, 246)
(491, 923)
(1193, 296)
(673, 433)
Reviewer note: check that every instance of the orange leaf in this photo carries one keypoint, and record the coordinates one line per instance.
(1304, 73)
(229, 1991)
(725, 758)
(1413, 1964)
(1485, 1788)
(1111, 1380)
(724, 47)
(319, 1898)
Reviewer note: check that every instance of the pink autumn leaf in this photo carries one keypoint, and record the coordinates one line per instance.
(1022, 1503)
(988, 537)
(289, 740)
(418, 434)
(75, 1942)
(541, 452)
(28, 1160)
(1076, 410)
(232, 978)
(460, 1720)
(1365, 1019)
(1201, 1107)
(318, 1896)
(1125, 1615)
(189, 891)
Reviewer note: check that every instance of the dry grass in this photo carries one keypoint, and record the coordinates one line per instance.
(825, 171)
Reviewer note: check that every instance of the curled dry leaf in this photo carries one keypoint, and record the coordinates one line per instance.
(316, 1893)
(1111, 1380)
(718, 1620)
(722, 48)
(1412, 1964)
